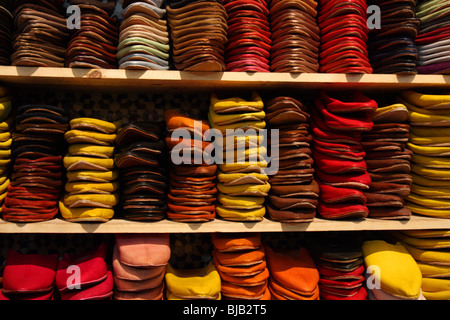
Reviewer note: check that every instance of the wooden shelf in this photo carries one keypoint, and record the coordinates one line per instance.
(167, 226)
(131, 80)
(69, 79)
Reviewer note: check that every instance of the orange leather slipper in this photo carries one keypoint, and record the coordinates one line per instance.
(255, 280)
(175, 120)
(291, 295)
(293, 269)
(230, 290)
(235, 242)
(239, 258)
(241, 271)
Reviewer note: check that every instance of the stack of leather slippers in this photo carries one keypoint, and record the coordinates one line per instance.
(293, 274)
(29, 276)
(37, 171)
(95, 280)
(192, 187)
(433, 38)
(430, 250)
(341, 269)
(6, 123)
(41, 34)
(295, 36)
(242, 182)
(94, 44)
(140, 152)
(139, 265)
(390, 168)
(249, 36)
(201, 283)
(198, 30)
(429, 118)
(391, 47)
(6, 32)
(392, 273)
(143, 36)
(294, 192)
(92, 188)
(343, 37)
(241, 263)
(338, 123)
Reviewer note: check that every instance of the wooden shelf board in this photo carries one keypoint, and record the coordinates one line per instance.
(117, 225)
(168, 80)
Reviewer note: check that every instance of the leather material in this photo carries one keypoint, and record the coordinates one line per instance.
(6, 143)
(329, 18)
(41, 35)
(104, 35)
(156, 293)
(392, 48)
(339, 151)
(226, 243)
(242, 258)
(29, 273)
(301, 277)
(143, 42)
(294, 193)
(6, 30)
(37, 164)
(246, 29)
(146, 251)
(433, 32)
(429, 159)
(92, 265)
(97, 201)
(295, 37)
(388, 258)
(136, 286)
(242, 187)
(202, 283)
(208, 58)
(100, 291)
(188, 181)
(435, 289)
(139, 265)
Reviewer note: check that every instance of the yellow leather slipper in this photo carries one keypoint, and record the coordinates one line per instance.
(431, 173)
(79, 136)
(427, 182)
(240, 202)
(200, 283)
(431, 162)
(399, 274)
(91, 150)
(429, 141)
(236, 103)
(435, 285)
(241, 214)
(92, 175)
(91, 200)
(94, 124)
(234, 179)
(88, 187)
(86, 213)
(426, 150)
(424, 243)
(424, 211)
(232, 118)
(430, 192)
(438, 257)
(244, 189)
(74, 163)
(426, 100)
